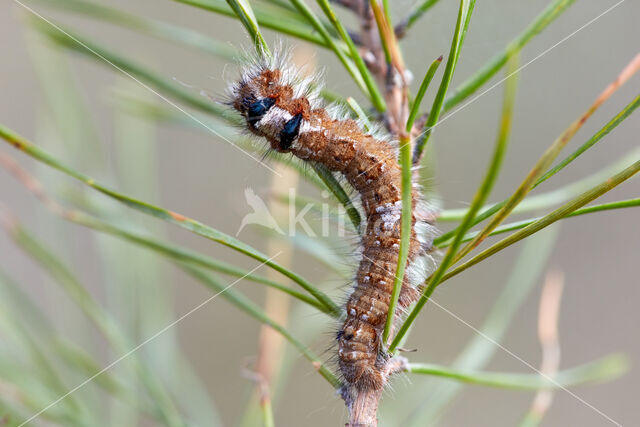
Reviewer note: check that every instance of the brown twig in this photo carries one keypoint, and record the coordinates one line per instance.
(548, 336)
(363, 407)
(394, 78)
(276, 304)
(389, 71)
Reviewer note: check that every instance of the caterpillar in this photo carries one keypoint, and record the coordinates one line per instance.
(279, 105)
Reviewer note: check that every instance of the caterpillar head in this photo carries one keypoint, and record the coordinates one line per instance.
(269, 108)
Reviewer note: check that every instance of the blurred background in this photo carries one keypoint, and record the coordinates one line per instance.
(76, 108)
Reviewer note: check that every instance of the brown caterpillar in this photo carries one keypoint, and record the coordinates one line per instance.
(281, 107)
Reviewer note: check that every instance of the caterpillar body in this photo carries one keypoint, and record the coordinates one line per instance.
(279, 105)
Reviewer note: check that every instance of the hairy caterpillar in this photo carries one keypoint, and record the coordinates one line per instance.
(279, 105)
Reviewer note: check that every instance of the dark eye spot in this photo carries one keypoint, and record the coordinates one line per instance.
(290, 131)
(257, 110)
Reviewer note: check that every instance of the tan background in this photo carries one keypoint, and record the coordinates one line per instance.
(203, 177)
